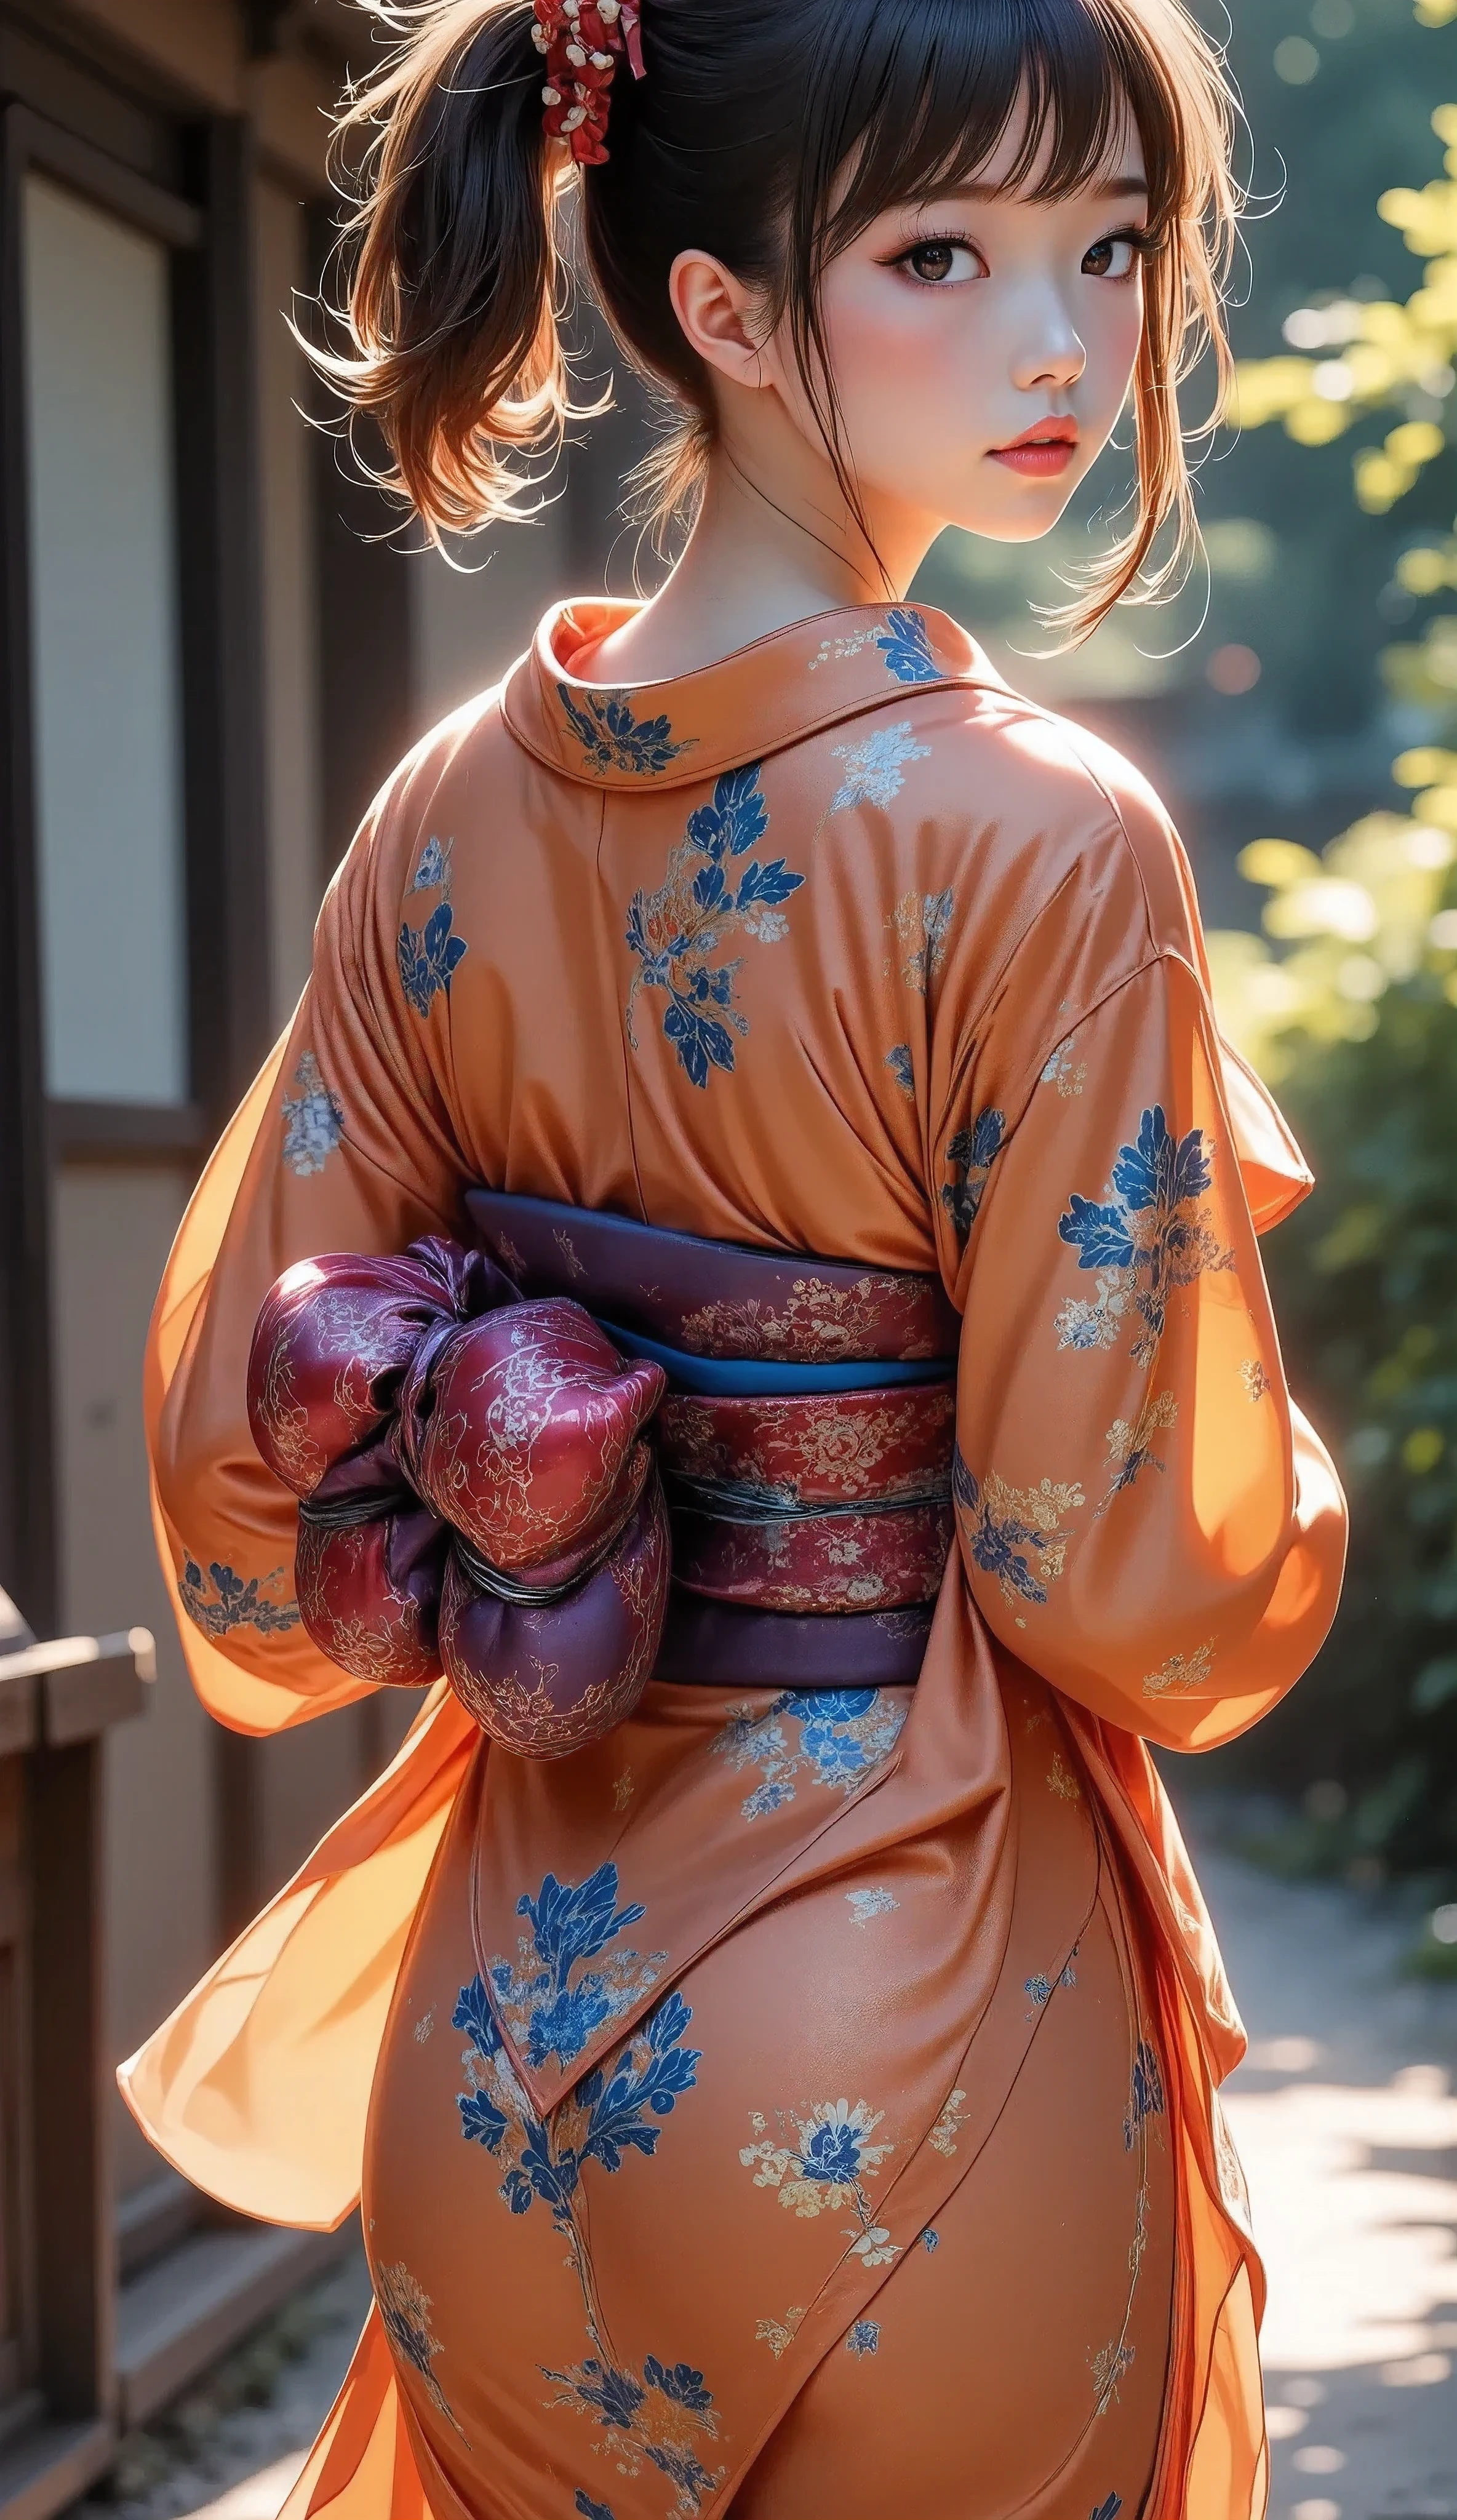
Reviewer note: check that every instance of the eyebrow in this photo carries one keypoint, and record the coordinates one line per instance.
(1119, 188)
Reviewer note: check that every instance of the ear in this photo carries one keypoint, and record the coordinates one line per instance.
(715, 313)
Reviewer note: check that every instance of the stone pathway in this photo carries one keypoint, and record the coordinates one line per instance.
(1347, 2122)
(1346, 2118)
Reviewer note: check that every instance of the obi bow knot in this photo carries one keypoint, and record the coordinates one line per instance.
(476, 1494)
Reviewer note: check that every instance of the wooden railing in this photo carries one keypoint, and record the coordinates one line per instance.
(57, 2422)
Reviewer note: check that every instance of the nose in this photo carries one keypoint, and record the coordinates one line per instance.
(1052, 357)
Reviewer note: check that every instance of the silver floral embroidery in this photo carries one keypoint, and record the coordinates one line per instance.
(314, 1120)
(1061, 1072)
(873, 771)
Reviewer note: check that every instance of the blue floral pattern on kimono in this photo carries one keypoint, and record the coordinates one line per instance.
(905, 645)
(609, 2114)
(1144, 1237)
(969, 1156)
(551, 2002)
(1146, 2094)
(220, 1600)
(314, 1120)
(829, 1736)
(652, 2418)
(612, 739)
(1014, 1534)
(706, 897)
(404, 2314)
(428, 955)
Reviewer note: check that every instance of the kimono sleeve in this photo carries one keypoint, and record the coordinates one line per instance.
(343, 1143)
(1144, 1516)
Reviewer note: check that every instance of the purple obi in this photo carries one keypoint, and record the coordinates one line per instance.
(503, 1457)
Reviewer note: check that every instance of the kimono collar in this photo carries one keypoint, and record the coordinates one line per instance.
(674, 733)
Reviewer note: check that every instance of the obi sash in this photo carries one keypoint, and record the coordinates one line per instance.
(805, 1439)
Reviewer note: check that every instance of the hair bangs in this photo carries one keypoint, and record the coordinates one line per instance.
(953, 83)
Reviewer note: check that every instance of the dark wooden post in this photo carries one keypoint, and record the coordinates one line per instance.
(227, 850)
(28, 1524)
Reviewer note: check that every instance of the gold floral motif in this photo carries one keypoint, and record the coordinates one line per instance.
(822, 2167)
(623, 1790)
(1140, 2240)
(1108, 2367)
(835, 1443)
(1094, 1323)
(1233, 2192)
(1062, 1779)
(1061, 1072)
(492, 1472)
(573, 1264)
(1181, 1674)
(525, 1716)
(943, 2134)
(779, 2333)
(1131, 1446)
(1016, 1534)
(921, 923)
(367, 1647)
(1255, 1379)
(820, 1322)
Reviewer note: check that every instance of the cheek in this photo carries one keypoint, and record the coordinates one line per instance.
(1112, 329)
(901, 363)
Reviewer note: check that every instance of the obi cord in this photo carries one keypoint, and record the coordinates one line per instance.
(478, 1494)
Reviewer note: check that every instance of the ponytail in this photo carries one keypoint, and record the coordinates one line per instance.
(454, 273)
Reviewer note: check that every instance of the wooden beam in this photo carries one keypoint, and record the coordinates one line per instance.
(227, 850)
(27, 1507)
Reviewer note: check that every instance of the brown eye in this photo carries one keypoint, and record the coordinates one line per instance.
(933, 260)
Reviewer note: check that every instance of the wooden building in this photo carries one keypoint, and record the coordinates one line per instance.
(209, 658)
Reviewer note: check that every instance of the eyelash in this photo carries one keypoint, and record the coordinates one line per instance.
(1144, 243)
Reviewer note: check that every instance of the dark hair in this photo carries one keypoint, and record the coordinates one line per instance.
(768, 133)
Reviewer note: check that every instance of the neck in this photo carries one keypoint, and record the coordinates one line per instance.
(758, 559)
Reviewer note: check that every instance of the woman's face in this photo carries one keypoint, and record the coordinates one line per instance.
(983, 347)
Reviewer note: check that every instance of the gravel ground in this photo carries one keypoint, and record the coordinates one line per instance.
(1346, 2119)
(233, 2445)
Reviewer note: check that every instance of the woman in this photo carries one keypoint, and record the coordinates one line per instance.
(803, 2098)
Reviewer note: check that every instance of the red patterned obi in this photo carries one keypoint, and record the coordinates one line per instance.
(481, 1491)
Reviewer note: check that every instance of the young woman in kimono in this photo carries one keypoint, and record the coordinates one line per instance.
(802, 2098)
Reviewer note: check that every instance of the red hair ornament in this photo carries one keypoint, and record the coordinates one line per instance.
(582, 41)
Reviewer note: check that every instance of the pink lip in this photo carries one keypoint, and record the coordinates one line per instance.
(1042, 452)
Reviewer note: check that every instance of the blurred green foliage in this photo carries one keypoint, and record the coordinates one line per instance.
(1348, 1001)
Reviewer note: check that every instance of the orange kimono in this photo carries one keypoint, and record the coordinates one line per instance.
(792, 2104)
